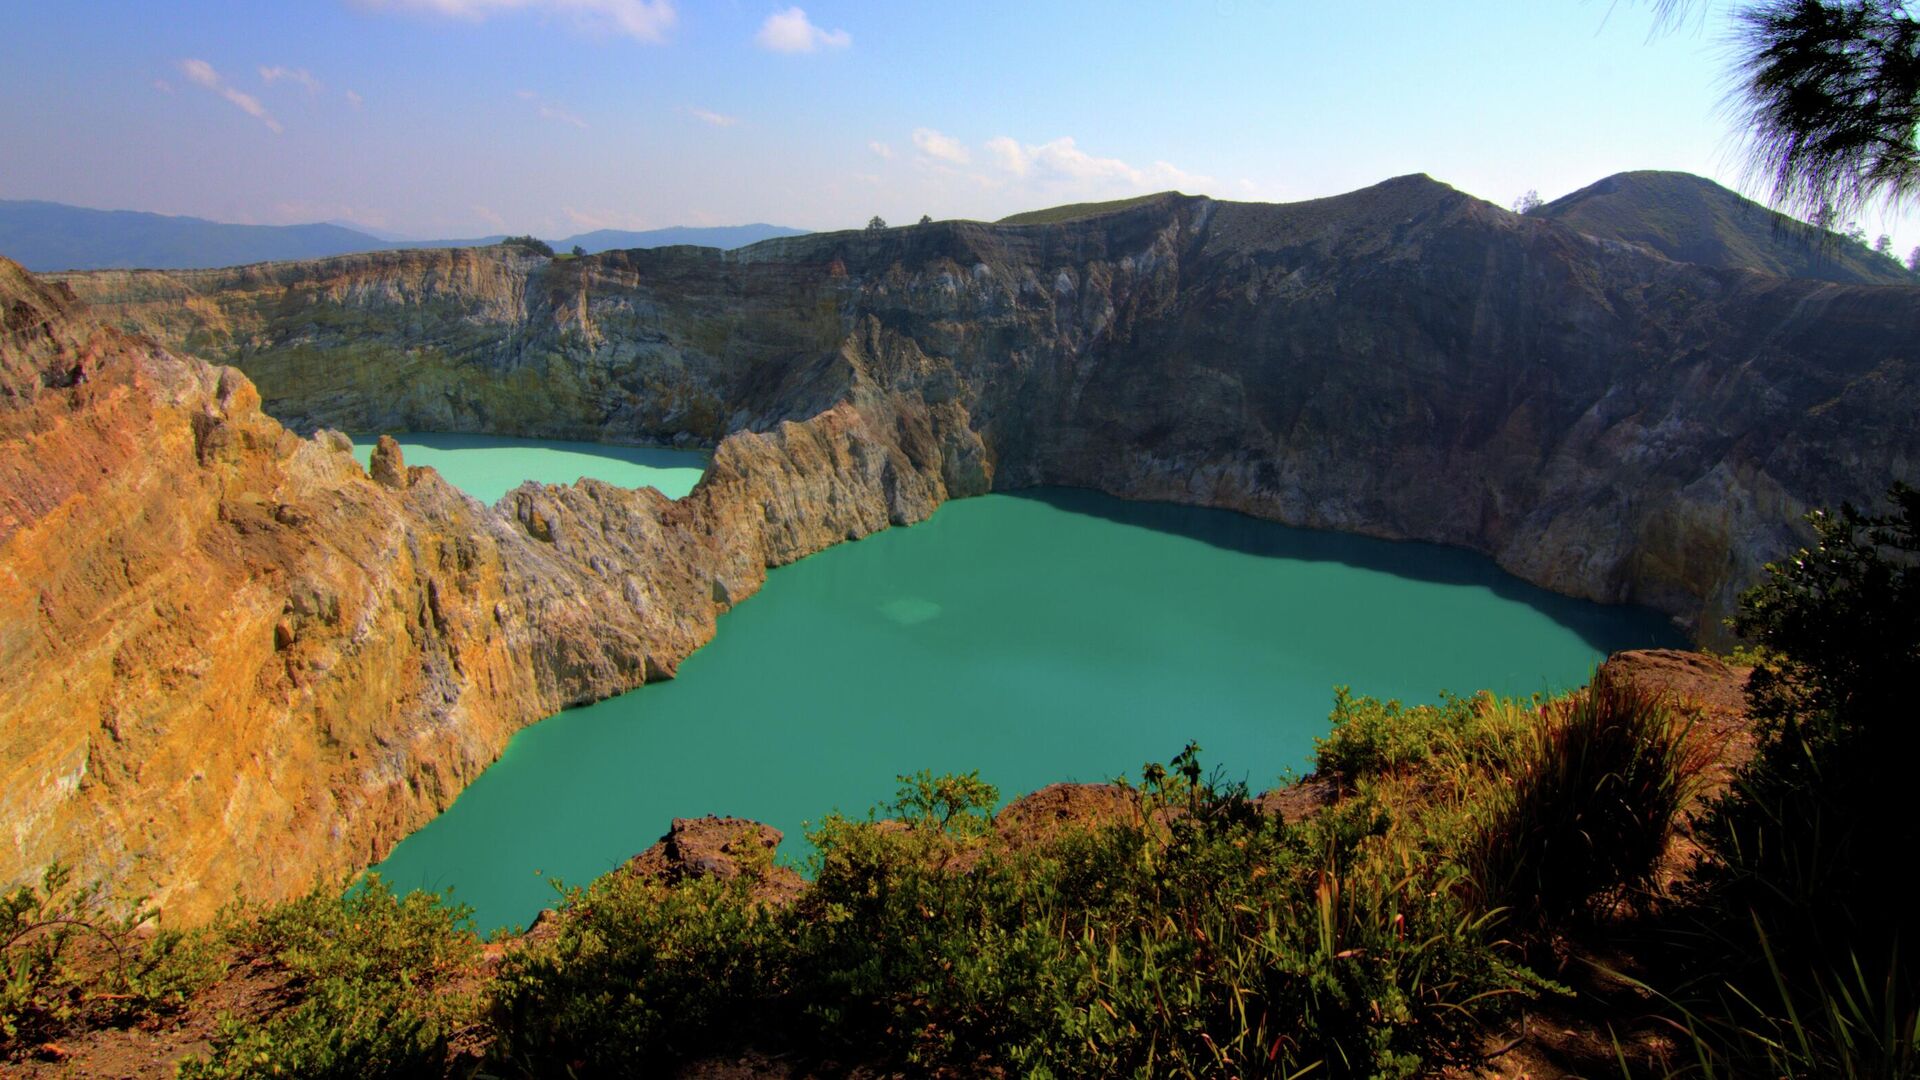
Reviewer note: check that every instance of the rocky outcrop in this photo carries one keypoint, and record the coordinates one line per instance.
(724, 848)
(1405, 361)
(232, 661)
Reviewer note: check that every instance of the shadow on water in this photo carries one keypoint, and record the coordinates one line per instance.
(1600, 626)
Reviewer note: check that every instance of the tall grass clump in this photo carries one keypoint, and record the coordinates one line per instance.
(1586, 805)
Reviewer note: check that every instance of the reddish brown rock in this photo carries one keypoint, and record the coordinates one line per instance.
(721, 847)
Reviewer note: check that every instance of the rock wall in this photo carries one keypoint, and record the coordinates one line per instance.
(1403, 361)
(231, 660)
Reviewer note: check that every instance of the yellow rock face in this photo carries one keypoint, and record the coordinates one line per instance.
(232, 662)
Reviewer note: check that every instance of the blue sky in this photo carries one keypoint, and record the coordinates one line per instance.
(438, 118)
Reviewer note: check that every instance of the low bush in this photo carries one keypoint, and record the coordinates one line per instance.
(1371, 738)
(1197, 937)
(638, 974)
(376, 984)
(1791, 964)
(69, 959)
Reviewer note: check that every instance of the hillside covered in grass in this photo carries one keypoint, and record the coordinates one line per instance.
(1691, 219)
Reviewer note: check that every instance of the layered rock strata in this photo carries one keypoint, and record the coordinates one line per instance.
(233, 660)
(1404, 361)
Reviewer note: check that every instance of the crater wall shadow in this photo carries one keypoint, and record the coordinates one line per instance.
(1605, 627)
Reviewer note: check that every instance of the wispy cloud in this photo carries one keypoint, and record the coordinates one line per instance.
(641, 20)
(790, 31)
(880, 149)
(551, 110)
(302, 76)
(944, 147)
(1062, 159)
(201, 73)
(163, 86)
(714, 118)
(355, 100)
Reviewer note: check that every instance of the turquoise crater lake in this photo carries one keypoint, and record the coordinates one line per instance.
(1052, 635)
(488, 466)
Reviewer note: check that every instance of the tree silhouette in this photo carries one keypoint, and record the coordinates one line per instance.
(1829, 92)
(876, 223)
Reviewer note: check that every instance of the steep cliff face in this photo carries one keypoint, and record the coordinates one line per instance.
(230, 659)
(234, 660)
(1404, 361)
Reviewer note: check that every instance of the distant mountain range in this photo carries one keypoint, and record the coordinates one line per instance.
(54, 236)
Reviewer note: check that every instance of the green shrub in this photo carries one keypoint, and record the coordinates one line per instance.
(1804, 905)
(375, 982)
(1369, 737)
(1196, 938)
(638, 974)
(1585, 804)
(68, 960)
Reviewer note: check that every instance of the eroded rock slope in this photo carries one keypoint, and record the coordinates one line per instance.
(1404, 361)
(232, 660)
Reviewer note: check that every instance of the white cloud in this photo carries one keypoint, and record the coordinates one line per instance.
(790, 31)
(641, 20)
(202, 73)
(271, 75)
(945, 147)
(714, 118)
(354, 99)
(488, 215)
(163, 86)
(1062, 160)
(880, 149)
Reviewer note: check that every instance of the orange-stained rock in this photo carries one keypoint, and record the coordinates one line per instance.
(230, 661)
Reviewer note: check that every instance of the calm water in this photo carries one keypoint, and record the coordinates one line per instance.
(1059, 635)
(489, 466)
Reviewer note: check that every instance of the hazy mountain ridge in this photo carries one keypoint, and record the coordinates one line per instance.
(48, 236)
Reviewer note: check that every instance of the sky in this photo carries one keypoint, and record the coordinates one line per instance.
(446, 118)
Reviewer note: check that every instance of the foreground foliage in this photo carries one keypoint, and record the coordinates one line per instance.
(1180, 930)
(1794, 962)
(68, 957)
(376, 980)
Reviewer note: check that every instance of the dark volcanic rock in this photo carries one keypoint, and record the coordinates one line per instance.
(1404, 361)
(724, 848)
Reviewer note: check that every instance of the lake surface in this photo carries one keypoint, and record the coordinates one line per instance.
(488, 466)
(1055, 635)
